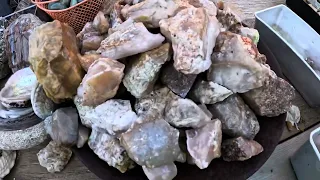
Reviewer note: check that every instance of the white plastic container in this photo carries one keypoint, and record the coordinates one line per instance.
(306, 161)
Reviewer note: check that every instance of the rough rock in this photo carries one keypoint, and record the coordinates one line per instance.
(176, 81)
(185, 113)
(88, 28)
(150, 12)
(228, 18)
(83, 136)
(101, 82)
(87, 59)
(64, 127)
(115, 115)
(204, 144)
(235, 65)
(54, 157)
(41, 104)
(251, 33)
(164, 172)
(101, 23)
(4, 61)
(193, 34)
(7, 161)
(54, 59)
(126, 41)
(18, 88)
(107, 6)
(91, 41)
(272, 99)
(17, 36)
(236, 117)
(157, 100)
(145, 140)
(108, 148)
(240, 149)
(143, 70)
(208, 92)
(115, 15)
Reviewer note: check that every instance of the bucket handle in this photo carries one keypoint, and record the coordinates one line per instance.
(44, 2)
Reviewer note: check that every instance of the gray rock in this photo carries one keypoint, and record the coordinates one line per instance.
(236, 117)
(240, 149)
(54, 157)
(204, 144)
(152, 144)
(272, 99)
(83, 136)
(185, 113)
(157, 99)
(164, 172)
(4, 63)
(176, 81)
(41, 104)
(235, 64)
(143, 70)
(64, 127)
(208, 92)
(108, 148)
(115, 115)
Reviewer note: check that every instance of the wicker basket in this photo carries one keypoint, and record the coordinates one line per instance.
(76, 16)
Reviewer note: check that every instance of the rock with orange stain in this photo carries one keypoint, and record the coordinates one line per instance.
(101, 82)
(54, 58)
(87, 59)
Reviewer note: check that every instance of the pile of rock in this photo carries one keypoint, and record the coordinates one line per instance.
(215, 63)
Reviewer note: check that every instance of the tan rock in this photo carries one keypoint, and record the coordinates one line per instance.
(101, 23)
(91, 41)
(130, 38)
(87, 59)
(54, 59)
(193, 34)
(101, 82)
(143, 70)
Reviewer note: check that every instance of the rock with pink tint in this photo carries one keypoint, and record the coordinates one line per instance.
(193, 33)
(101, 82)
(128, 39)
(240, 149)
(204, 144)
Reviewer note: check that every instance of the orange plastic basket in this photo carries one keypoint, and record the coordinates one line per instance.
(76, 16)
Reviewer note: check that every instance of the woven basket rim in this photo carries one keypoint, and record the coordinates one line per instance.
(41, 6)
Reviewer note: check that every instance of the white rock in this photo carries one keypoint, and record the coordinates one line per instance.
(115, 115)
(193, 34)
(165, 172)
(185, 113)
(150, 12)
(204, 144)
(129, 38)
(209, 92)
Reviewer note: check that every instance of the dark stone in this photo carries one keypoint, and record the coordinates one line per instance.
(178, 82)
(236, 117)
(240, 149)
